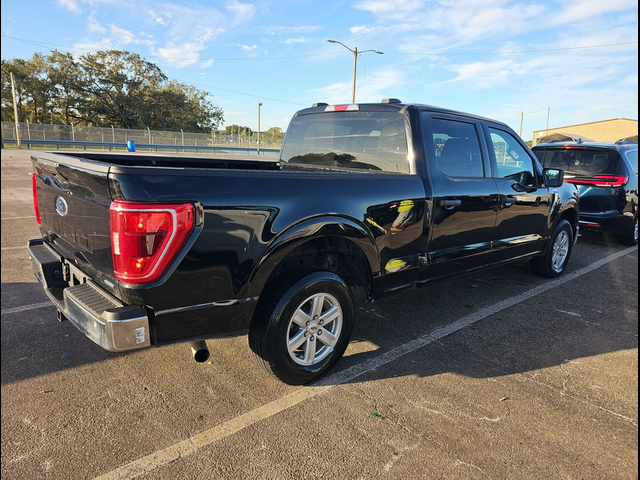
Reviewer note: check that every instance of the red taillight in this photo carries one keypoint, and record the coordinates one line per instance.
(36, 206)
(145, 238)
(600, 181)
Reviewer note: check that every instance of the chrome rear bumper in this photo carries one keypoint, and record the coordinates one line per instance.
(99, 315)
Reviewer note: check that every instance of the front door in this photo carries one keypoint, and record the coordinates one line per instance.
(522, 226)
(464, 216)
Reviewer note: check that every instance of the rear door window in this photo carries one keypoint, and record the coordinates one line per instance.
(457, 149)
(582, 162)
(374, 141)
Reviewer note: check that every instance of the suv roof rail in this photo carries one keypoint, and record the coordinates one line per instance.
(320, 104)
(391, 100)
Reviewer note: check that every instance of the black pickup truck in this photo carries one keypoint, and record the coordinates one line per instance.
(372, 198)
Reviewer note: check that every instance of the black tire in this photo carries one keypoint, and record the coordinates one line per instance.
(631, 238)
(545, 266)
(274, 327)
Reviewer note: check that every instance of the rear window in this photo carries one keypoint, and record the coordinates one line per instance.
(374, 141)
(632, 155)
(582, 162)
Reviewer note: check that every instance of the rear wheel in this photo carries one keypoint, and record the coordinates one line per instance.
(554, 262)
(631, 238)
(303, 326)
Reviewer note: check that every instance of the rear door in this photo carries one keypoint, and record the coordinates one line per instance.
(524, 204)
(464, 216)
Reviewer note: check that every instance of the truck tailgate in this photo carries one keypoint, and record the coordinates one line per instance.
(73, 199)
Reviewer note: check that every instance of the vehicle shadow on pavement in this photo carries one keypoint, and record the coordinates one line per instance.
(592, 315)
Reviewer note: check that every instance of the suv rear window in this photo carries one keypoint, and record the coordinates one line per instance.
(584, 162)
(373, 141)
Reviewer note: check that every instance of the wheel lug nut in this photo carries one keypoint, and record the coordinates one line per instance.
(306, 334)
(308, 323)
(321, 322)
(319, 332)
(312, 338)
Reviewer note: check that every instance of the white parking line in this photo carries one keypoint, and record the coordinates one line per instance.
(13, 248)
(6, 311)
(197, 442)
(18, 218)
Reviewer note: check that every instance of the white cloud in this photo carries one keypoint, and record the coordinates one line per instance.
(207, 64)
(291, 41)
(124, 37)
(386, 7)
(578, 10)
(70, 5)
(242, 11)
(180, 55)
(87, 45)
(245, 48)
(94, 26)
(288, 30)
(158, 18)
(363, 29)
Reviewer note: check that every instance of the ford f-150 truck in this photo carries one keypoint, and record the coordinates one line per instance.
(141, 250)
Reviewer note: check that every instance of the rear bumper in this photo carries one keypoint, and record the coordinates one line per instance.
(100, 316)
(615, 222)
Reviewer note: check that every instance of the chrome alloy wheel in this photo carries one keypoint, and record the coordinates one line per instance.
(560, 251)
(635, 232)
(314, 329)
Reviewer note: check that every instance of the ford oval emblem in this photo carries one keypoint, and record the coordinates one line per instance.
(61, 207)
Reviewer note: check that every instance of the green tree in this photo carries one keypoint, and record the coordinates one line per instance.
(273, 135)
(112, 87)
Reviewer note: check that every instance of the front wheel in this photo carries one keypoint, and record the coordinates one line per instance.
(303, 326)
(554, 262)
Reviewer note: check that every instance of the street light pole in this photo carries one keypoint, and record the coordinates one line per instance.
(15, 109)
(259, 105)
(355, 64)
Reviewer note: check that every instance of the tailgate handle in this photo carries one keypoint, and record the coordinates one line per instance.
(450, 203)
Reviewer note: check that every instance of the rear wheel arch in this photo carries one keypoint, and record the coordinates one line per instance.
(344, 248)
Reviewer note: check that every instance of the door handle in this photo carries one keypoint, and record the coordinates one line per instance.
(509, 200)
(450, 203)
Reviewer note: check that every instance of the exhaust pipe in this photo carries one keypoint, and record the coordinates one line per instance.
(199, 351)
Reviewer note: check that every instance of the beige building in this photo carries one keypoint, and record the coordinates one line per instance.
(603, 131)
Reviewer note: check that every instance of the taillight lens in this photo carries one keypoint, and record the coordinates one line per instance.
(36, 205)
(145, 238)
(601, 181)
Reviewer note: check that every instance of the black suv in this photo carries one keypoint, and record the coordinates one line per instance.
(607, 176)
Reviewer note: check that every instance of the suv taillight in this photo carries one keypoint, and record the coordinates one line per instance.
(145, 238)
(601, 181)
(36, 205)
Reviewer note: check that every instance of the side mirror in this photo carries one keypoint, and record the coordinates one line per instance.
(553, 177)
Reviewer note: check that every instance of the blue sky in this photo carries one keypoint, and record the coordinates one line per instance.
(496, 58)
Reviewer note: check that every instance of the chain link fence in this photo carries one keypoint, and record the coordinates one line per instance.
(32, 131)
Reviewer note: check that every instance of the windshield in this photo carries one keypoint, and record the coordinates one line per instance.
(373, 141)
(584, 162)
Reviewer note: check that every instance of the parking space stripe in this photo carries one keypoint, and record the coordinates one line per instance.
(17, 218)
(25, 308)
(24, 247)
(193, 444)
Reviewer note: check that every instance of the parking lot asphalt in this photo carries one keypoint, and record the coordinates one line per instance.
(501, 374)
